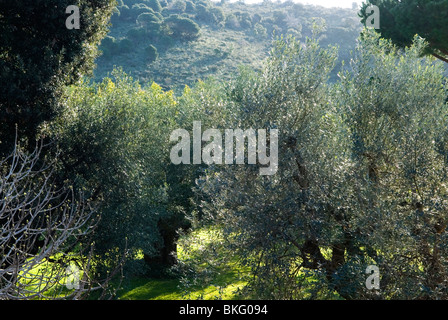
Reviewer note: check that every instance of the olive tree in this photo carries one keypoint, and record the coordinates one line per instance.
(361, 178)
(277, 223)
(394, 105)
(115, 135)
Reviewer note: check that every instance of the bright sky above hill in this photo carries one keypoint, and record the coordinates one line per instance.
(324, 3)
(331, 3)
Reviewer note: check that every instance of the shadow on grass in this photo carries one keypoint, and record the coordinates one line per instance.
(221, 280)
(225, 287)
(152, 289)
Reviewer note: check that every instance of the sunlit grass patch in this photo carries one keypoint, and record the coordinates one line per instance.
(215, 275)
(152, 289)
(48, 279)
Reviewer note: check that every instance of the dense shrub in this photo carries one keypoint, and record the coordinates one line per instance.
(280, 18)
(151, 53)
(145, 18)
(108, 46)
(125, 13)
(137, 34)
(178, 6)
(260, 31)
(232, 22)
(181, 28)
(245, 21)
(154, 5)
(111, 46)
(218, 13)
(190, 7)
(115, 19)
(204, 14)
(124, 46)
(138, 9)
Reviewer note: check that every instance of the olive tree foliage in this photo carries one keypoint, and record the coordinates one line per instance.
(273, 222)
(43, 229)
(394, 105)
(115, 137)
(361, 178)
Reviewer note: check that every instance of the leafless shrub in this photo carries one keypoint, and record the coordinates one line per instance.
(42, 255)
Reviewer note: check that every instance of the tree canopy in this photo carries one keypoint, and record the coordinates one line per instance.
(39, 55)
(402, 20)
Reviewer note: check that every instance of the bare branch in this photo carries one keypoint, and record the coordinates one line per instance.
(40, 226)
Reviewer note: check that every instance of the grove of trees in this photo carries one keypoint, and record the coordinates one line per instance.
(87, 182)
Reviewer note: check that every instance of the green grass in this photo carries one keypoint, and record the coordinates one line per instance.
(226, 288)
(223, 282)
(148, 289)
(214, 273)
(49, 279)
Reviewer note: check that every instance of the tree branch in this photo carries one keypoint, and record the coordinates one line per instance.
(440, 57)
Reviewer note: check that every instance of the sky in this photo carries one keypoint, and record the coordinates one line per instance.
(324, 3)
(331, 3)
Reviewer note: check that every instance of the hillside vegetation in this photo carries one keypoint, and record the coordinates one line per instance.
(177, 42)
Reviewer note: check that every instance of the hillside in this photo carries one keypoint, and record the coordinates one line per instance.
(177, 42)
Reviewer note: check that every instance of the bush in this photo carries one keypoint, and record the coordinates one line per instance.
(256, 18)
(115, 16)
(232, 22)
(294, 32)
(260, 31)
(130, 3)
(124, 46)
(137, 34)
(151, 53)
(280, 18)
(154, 29)
(138, 9)
(154, 5)
(245, 21)
(147, 17)
(125, 13)
(218, 13)
(204, 14)
(108, 46)
(190, 7)
(178, 6)
(182, 28)
(165, 12)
